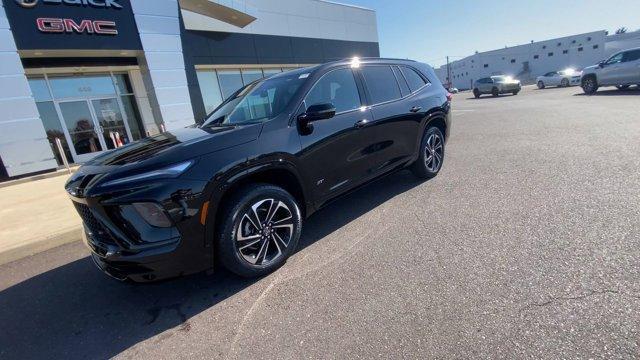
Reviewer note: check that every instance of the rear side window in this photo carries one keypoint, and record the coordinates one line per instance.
(337, 87)
(381, 83)
(415, 81)
(631, 56)
(404, 87)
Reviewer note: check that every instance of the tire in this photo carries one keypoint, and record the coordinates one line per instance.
(268, 242)
(431, 156)
(623, 87)
(564, 83)
(476, 93)
(540, 85)
(590, 85)
(515, 93)
(495, 92)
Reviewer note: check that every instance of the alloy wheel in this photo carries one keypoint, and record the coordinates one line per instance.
(264, 232)
(434, 151)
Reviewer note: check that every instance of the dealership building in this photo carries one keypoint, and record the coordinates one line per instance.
(95, 75)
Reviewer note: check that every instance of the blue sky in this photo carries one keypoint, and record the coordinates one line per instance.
(429, 30)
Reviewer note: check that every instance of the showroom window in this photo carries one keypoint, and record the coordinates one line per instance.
(218, 84)
(88, 113)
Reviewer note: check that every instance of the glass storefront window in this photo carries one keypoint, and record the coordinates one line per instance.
(81, 86)
(210, 90)
(54, 130)
(251, 75)
(133, 117)
(39, 89)
(230, 81)
(123, 83)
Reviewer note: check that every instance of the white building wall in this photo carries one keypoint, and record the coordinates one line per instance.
(619, 42)
(529, 60)
(298, 18)
(24, 147)
(163, 66)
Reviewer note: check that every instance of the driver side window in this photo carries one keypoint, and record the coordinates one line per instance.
(337, 87)
(615, 59)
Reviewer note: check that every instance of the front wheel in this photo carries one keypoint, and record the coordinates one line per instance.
(515, 93)
(431, 156)
(564, 83)
(260, 230)
(540, 85)
(589, 85)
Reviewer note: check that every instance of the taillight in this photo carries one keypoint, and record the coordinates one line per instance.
(449, 97)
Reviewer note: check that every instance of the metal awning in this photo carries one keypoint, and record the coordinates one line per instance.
(218, 11)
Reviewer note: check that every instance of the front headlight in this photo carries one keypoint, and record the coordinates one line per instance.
(172, 171)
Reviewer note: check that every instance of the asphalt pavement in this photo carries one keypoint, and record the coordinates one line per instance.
(527, 245)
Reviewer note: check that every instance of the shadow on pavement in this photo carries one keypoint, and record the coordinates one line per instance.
(614, 92)
(76, 312)
(486, 97)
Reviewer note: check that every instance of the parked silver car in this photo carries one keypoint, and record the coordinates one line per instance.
(622, 70)
(496, 85)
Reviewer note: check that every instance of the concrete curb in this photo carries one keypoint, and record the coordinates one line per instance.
(40, 246)
(48, 175)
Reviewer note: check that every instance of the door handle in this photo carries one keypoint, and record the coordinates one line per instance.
(361, 123)
(415, 109)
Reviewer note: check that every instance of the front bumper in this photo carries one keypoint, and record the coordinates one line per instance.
(124, 246)
(509, 88)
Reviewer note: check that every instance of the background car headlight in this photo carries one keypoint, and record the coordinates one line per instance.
(168, 172)
(153, 214)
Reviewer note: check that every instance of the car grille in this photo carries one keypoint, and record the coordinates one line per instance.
(93, 224)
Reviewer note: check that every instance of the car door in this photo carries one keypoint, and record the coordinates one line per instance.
(391, 135)
(328, 147)
(630, 68)
(610, 71)
(553, 79)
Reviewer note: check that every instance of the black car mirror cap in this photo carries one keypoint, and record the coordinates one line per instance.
(320, 112)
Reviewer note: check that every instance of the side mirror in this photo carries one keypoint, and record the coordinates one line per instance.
(602, 64)
(314, 113)
(320, 112)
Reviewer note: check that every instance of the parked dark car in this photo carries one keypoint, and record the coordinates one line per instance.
(236, 189)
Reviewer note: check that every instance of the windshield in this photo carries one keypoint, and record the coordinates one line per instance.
(259, 101)
(499, 79)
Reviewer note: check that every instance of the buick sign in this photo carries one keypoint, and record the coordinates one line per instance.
(95, 3)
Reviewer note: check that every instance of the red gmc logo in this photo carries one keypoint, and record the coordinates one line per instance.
(55, 25)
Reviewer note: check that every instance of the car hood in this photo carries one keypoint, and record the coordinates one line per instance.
(168, 148)
(591, 68)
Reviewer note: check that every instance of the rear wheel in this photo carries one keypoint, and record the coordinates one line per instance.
(540, 85)
(260, 230)
(623, 87)
(590, 85)
(564, 83)
(495, 92)
(431, 156)
(476, 93)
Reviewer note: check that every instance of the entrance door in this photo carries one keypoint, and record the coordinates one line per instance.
(83, 130)
(111, 124)
(94, 126)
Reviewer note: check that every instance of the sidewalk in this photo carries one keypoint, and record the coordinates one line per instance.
(36, 216)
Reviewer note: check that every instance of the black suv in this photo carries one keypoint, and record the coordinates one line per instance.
(236, 188)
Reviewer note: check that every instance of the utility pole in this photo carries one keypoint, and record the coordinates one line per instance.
(448, 74)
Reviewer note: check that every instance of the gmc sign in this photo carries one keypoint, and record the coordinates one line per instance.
(56, 25)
